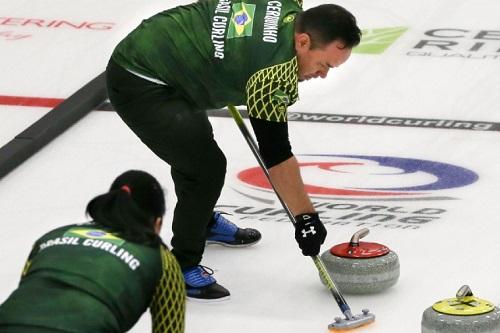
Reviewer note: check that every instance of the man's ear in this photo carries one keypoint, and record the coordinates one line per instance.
(157, 225)
(302, 41)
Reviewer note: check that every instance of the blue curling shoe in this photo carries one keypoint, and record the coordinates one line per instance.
(201, 286)
(224, 232)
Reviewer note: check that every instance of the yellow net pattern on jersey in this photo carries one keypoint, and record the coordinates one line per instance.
(271, 90)
(168, 305)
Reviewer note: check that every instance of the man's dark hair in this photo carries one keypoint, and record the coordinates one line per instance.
(327, 23)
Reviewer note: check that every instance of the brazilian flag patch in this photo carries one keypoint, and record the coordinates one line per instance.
(94, 234)
(241, 24)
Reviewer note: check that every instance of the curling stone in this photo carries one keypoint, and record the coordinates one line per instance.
(464, 313)
(361, 267)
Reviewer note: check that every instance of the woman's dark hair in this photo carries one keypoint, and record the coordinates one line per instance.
(327, 23)
(130, 208)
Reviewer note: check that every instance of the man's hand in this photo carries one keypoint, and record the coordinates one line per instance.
(310, 233)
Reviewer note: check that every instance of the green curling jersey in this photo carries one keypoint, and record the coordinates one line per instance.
(220, 52)
(83, 278)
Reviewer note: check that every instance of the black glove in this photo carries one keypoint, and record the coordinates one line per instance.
(310, 233)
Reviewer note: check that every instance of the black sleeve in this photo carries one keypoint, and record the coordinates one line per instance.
(272, 137)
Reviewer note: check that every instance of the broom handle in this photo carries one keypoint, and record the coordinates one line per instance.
(344, 307)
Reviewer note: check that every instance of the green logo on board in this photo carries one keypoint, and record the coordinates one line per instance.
(376, 41)
(241, 24)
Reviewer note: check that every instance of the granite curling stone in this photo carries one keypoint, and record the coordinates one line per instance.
(463, 314)
(361, 267)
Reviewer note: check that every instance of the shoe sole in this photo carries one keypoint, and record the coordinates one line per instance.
(205, 300)
(211, 242)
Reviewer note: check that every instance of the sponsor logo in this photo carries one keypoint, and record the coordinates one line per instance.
(352, 176)
(312, 117)
(376, 41)
(311, 231)
(394, 121)
(339, 213)
(458, 43)
(241, 24)
(281, 97)
(290, 18)
(437, 42)
(14, 25)
(342, 186)
(38, 23)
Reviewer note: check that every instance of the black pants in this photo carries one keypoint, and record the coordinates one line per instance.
(181, 135)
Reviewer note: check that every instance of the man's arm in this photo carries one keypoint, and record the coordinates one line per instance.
(283, 167)
(284, 173)
(287, 180)
(267, 101)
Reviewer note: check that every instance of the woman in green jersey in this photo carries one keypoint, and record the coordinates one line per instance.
(101, 276)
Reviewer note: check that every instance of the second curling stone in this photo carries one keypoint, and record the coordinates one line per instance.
(464, 313)
(361, 267)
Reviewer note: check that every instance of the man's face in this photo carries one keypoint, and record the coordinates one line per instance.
(317, 62)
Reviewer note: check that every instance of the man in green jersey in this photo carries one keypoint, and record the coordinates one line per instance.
(101, 276)
(174, 66)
